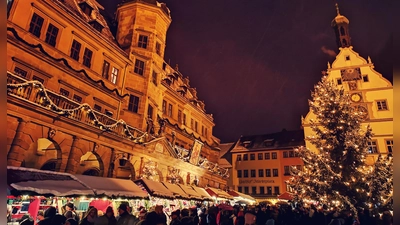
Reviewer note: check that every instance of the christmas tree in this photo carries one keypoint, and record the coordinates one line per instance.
(380, 191)
(335, 175)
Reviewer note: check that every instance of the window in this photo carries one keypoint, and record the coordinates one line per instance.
(179, 116)
(260, 173)
(41, 80)
(239, 158)
(195, 126)
(154, 78)
(97, 108)
(106, 68)
(169, 110)
(381, 104)
(239, 174)
(245, 157)
(291, 154)
(86, 8)
(206, 132)
(133, 105)
(276, 190)
(347, 57)
(192, 123)
(202, 130)
(274, 155)
(365, 78)
(20, 72)
(339, 81)
(139, 67)
(268, 172)
(64, 92)
(114, 75)
(252, 173)
(254, 190)
(260, 156)
(285, 154)
(87, 57)
(245, 173)
(51, 35)
(164, 106)
(246, 190)
(275, 172)
(77, 98)
(252, 156)
(286, 171)
(96, 25)
(372, 147)
(184, 119)
(142, 43)
(36, 25)
(389, 146)
(150, 111)
(75, 49)
(158, 49)
(269, 190)
(267, 155)
(262, 190)
(240, 189)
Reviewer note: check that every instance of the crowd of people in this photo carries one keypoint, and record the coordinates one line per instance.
(214, 215)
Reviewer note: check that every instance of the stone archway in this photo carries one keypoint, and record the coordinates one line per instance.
(50, 165)
(92, 172)
(89, 162)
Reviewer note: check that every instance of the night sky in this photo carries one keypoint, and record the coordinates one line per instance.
(255, 62)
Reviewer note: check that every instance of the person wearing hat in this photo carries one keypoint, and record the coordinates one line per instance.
(69, 208)
(125, 218)
(107, 219)
(175, 218)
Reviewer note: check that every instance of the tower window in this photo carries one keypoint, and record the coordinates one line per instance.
(184, 119)
(154, 78)
(339, 81)
(150, 111)
(344, 42)
(133, 105)
(252, 173)
(142, 43)
(179, 116)
(139, 67)
(389, 146)
(347, 56)
(274, 155)
(51, 35)
(75, 49)
(158, 49)
(365, 78)
(36, 25)
(381, 104)
(342, 32)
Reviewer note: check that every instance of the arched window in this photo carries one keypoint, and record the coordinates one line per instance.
(344, 42)
(342, 32)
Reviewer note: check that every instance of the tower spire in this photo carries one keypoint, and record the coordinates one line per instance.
(337, 9)
(341, 26)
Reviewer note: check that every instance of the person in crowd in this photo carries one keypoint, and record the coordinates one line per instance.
(250, 218)
(186, 219)
(175, 218)
(157, 216)
(106, 219)
(26, 220)
(125, 218)
(142, 217)
(193, 213)
(240, 217)
(40, 215)
(71, 221)
(212, 216)
(90, 217)
(49, 214)
(58, 219)
(69, 207)
(203, 216)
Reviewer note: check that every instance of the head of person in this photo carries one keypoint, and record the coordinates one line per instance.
(159, 209)
(92, 212)
(40, 215)
(123, 208)
(109, 212)
(50, 212)
(69, 206)
(142, 214)
(174, 215)
(184, 212)
(69, 214)
(71, 221)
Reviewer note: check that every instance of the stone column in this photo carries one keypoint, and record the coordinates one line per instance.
(72, 161)
(19, 145)
(141, 166)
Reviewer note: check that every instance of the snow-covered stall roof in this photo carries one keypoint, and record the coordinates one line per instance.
(113, 187)
(241, 195)
(203, 193)
(154, 188)
(218, 193)
(176, 190)
(45, 182)
(191, 192)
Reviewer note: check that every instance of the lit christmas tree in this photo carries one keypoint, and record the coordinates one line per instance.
(380, 191)
(336, 175)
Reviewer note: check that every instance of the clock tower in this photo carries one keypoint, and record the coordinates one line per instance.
(369, 91)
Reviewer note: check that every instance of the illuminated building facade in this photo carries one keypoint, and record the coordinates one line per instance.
(85, 99)
(261, 163)
(368, 89)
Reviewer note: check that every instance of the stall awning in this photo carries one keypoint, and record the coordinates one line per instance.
(45, 182)
(203, 193)
(176, 190)
(241, 195)
(285, 196)
(154, 188)
(112, 187)
(191, 192)
(218, 193)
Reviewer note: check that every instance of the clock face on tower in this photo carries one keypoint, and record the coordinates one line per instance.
(356, 97)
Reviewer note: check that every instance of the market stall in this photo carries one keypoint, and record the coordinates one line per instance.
(241, 198)
(219, 195)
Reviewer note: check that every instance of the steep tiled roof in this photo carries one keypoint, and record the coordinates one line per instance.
(283, 139)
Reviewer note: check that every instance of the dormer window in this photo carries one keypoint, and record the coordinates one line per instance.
(246, 143)
(86, 8)
(96, 25)
(268, 142)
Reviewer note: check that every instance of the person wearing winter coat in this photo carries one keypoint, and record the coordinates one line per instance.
(107, 219)
(49, 214)
(125, 218)
(90, 217)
